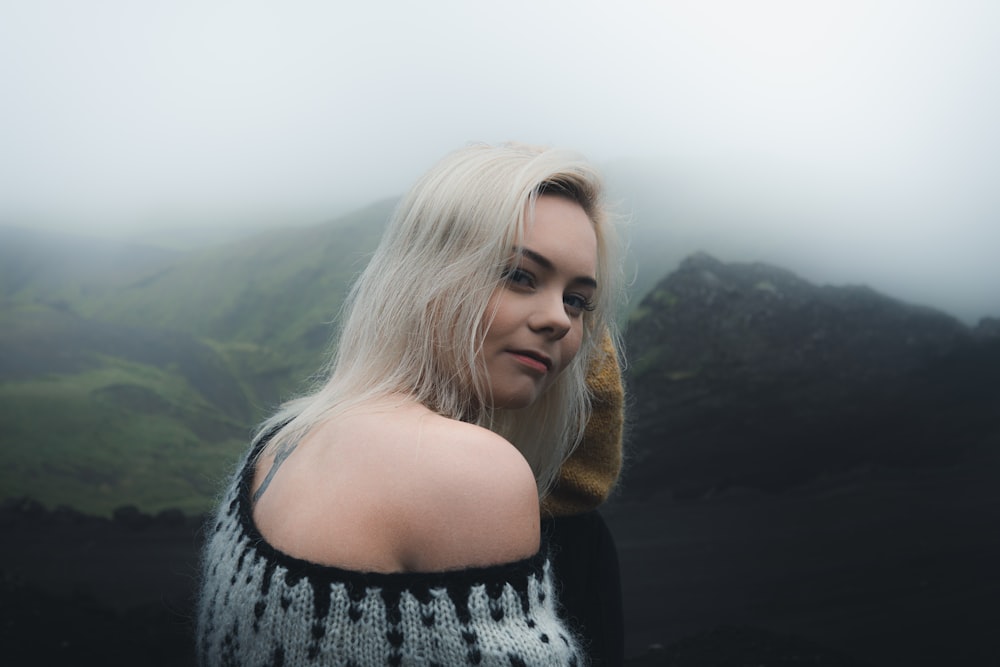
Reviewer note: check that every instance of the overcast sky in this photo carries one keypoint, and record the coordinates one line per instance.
(863, 134)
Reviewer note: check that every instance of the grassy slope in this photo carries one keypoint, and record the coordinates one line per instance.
(96, 415)
(144, 392)
(121, 434)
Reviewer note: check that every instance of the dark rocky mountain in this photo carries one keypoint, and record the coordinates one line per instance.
(816, 462)
(744, 375)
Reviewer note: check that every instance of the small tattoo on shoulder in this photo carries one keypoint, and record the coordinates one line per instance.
(284, 451)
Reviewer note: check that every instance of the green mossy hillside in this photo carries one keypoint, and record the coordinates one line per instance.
(124, 387)
(119, 433)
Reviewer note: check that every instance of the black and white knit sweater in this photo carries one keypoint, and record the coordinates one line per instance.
(259, 606)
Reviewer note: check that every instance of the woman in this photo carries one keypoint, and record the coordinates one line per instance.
(392, 516)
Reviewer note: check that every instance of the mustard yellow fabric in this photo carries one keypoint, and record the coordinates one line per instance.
(590, 473)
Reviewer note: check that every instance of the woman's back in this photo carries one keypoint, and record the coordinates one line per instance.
(394, 487)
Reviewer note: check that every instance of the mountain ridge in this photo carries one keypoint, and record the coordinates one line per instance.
(749, 375)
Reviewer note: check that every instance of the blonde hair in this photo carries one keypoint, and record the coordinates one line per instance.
(413, 323)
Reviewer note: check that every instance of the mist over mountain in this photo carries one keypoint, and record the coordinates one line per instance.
(53, 265)
(280, 287)
(857, 235)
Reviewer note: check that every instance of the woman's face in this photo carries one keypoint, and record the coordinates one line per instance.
(538, 323)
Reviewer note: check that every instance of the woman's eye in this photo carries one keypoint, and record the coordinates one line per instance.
(519, 277)
(578, 303)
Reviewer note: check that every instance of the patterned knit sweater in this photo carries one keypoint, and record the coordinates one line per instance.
(259, 606)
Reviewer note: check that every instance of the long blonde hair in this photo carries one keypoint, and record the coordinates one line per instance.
(413, 323)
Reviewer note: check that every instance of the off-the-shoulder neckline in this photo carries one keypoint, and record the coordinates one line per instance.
(298, 567)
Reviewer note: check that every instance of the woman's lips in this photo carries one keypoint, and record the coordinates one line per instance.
(533, 361)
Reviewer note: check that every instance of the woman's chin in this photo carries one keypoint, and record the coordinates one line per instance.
(515, 400)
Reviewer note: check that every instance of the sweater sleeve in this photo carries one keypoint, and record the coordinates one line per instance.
(588, 476)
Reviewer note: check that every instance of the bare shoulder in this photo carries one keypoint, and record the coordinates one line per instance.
(400, 490)
(469, 500)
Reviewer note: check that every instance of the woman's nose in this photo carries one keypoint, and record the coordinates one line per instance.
(550, 316)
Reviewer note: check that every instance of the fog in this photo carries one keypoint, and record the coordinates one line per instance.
(851, 141)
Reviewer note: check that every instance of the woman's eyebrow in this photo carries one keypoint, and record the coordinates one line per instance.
(545, 263)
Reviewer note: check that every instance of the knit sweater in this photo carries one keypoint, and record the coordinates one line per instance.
(260, 606)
